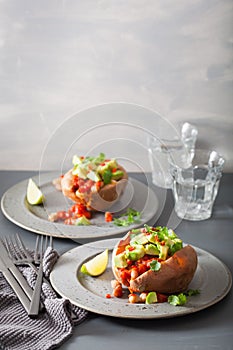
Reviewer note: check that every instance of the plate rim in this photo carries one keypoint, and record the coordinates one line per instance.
(177, 312)
(62, 231)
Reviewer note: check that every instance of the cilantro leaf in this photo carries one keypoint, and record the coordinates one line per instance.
(175, 247)
(99, 159)
(192, 292)
(107, 176)
(155, 265)
(131, 216)
(179, 299)
(182, 298)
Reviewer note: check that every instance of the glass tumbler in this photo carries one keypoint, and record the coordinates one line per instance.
(195, 187)
(160, 149)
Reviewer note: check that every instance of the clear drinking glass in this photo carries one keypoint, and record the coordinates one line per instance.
(195, 187)
(159, 151)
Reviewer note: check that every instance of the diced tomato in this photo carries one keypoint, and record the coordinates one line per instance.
(162, 298)
(78, 210)
(114, 170)
(125, 276)
(82, 189)
(89, 183)
(87, 214)
(108, 216)
(98, 185)
(69, 221)
(75, 183)
(108, 296)
(81, 182)
(142, 268)
(72, 209)
(62, 215)
(131, 248)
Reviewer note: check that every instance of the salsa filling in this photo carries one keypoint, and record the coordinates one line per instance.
(144, 250)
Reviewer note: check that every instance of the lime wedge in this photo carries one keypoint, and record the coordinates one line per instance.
(97, 265)
(34, 194)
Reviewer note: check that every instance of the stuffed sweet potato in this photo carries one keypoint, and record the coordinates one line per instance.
(154, 259)
(96, 182)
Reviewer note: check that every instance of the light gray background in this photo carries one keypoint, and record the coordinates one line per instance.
(61, 57)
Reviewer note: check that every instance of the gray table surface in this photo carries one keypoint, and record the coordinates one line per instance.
(211, 328)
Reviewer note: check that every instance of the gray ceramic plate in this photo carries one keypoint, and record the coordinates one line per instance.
(90, 292)
(35, 218)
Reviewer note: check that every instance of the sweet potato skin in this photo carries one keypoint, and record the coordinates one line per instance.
(174, 275)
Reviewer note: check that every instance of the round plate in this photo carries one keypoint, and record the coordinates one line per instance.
(90, 292)
(35, 218)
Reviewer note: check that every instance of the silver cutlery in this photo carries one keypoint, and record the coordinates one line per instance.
(15, 253)
(38, 258)
(18, 252)
(25, 301)
(13, 269)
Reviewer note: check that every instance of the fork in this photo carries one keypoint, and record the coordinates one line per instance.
(38, 258)
(18, 252)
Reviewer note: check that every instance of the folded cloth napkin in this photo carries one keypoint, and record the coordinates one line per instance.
(53, 325)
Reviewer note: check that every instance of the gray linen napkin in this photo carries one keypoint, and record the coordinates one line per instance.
(53, 325)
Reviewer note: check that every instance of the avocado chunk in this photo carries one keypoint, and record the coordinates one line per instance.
(77, 160)
(151, 298)
(171, 234)
(117, 175)
(151, 249)
(136, 253)
(108, 165)
(82, 221)
(139, 239)
(81, 171)
(163, 252)
(120, 260)
(93, 176)
(152, 238)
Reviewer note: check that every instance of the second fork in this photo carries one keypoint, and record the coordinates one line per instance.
(35, 302)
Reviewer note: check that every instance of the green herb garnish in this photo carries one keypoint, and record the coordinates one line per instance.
(175, 247)
(182, 298)
(192, 292)
(107, 176)
(155, 265)
(99, 159)
(131, 216)
(179, 299)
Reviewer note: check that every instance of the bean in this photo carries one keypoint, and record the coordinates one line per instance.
(143, 297)
(134, 298)
(134, 274)
(118, 292)
(114, 283)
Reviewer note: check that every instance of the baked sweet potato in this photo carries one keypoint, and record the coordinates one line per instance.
(174, 271)
(174, 275)
(96, 199)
